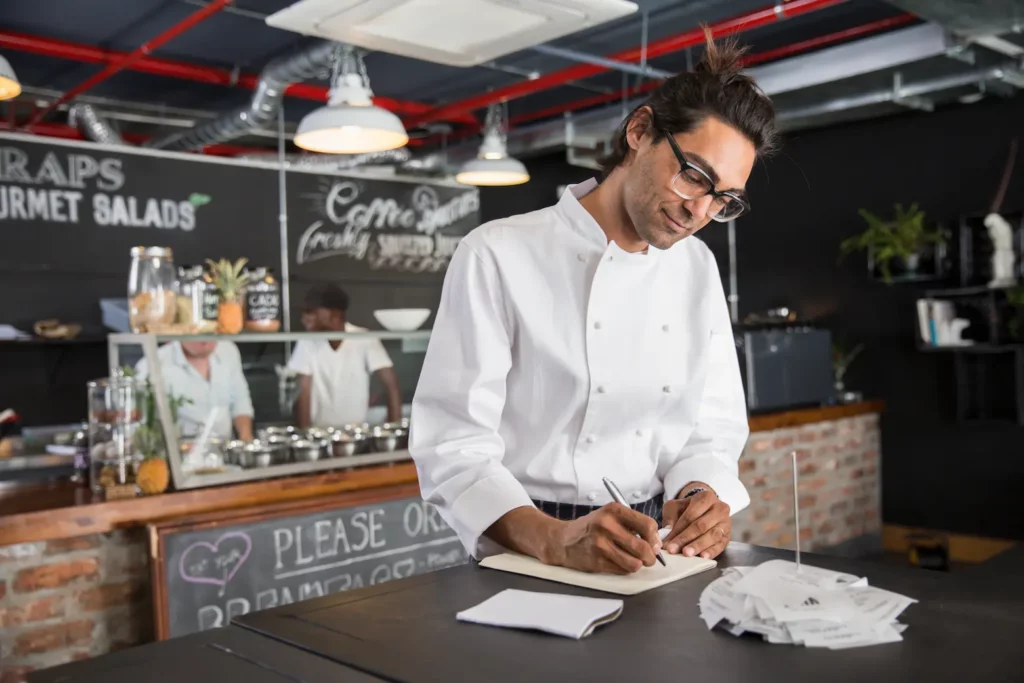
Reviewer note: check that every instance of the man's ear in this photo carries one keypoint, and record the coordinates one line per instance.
(638, 127)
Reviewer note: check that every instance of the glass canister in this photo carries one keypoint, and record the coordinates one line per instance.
(115, 412)
(211, 299)
(152, 285)
(262, 302)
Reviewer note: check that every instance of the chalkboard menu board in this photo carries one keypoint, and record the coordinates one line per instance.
(209, 573)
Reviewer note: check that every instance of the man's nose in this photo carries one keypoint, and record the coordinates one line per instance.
(699, 207)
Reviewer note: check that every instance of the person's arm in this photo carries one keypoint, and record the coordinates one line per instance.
(303, 402)
(389, 378)
(378, 363)
(243, 427)
(241, 402)
(701, 523)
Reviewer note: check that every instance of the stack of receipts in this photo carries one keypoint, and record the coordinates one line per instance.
(810, 606)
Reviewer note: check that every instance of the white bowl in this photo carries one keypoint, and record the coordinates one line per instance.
(402, 319)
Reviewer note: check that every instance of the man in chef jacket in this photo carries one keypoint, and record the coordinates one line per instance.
(592, 339)
(334, 376)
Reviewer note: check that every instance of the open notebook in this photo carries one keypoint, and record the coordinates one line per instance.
(677, 567)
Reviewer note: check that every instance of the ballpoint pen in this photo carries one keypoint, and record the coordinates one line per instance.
(621, 500)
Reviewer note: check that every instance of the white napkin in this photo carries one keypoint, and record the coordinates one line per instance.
(571, 616)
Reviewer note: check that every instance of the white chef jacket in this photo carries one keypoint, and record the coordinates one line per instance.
(340, 393)
(557, 359)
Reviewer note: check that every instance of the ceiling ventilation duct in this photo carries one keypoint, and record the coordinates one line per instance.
(92, 126)
(275, 78)
(454, 32)
(969, 18)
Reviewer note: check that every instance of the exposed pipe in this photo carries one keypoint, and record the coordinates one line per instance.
(300, 65)
(93, 126)
(173, 32)
(596, 60)
(739, 24)
(157, 66)
(749, 60)
(888, 95)
(336, 162)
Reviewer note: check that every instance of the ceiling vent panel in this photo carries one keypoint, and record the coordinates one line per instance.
(453, 32)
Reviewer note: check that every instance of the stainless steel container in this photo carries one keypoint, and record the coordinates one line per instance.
(388, 440)
(316, 434)
(256, 454)
(276, 431)
(307, 450)
(233, 450)
(345, 445)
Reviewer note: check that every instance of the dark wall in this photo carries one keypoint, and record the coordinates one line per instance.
(937, 473)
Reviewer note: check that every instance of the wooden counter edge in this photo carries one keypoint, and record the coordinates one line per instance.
(795, 418)
(97, 518)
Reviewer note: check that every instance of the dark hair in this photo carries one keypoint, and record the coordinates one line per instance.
(715, 88)
(329, 296)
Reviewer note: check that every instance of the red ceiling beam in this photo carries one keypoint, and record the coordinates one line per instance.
(739, 24)
(169, 68)
(162, 38)
(749, 60)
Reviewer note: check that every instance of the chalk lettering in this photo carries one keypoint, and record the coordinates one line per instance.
(283, 540)
(209, 617)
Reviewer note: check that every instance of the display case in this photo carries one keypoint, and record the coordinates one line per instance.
(272, 388)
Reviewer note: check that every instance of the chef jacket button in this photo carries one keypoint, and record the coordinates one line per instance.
(664, 328)
(591, 439)
(611, 258)
(581, 257)
(591, 497)
(637, 495)
(600, 389)
(639, 432)
(597, 325)
(667, 389)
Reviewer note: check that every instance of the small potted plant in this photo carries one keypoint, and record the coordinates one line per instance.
(900, 240)
(230, 282)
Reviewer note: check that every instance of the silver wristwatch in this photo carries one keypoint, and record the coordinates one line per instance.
(693, 492)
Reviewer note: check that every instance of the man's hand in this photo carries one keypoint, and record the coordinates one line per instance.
(700, 524)
(604, 541)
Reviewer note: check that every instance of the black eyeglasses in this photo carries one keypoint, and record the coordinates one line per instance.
(693, 182)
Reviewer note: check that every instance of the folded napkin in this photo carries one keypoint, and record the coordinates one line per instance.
(571, 616)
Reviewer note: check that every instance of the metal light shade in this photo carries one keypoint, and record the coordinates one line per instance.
(492, 172)
(347, 129)
(9, 85)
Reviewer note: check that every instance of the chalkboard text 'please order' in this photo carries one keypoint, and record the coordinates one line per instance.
(346, 535)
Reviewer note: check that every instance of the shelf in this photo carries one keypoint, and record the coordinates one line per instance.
(262, 337)
(973, 348)
(191, 481)
(980, 290)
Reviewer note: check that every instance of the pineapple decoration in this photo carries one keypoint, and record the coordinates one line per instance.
(153, 475)
(230, 281)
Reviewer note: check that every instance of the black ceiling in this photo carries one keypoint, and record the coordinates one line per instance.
(237, 37)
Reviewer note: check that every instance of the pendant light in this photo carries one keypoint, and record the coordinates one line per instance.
(350, 123)
(9, 85)
(493, 166)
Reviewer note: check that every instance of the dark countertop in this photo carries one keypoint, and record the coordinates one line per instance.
(226, 655)
(406, 630)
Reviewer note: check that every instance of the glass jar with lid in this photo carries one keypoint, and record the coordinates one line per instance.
(190, 296)
(262, 301)
(152, 289)
(115, 413)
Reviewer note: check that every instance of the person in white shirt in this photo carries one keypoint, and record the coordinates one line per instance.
(334, 376)
(592, 339)
(208, 374)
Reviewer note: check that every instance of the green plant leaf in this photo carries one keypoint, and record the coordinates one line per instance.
(198, 199)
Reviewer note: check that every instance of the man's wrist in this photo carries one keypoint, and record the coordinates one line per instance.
(529, 531)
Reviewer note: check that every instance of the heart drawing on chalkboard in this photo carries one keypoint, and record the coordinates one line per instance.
(215, 563)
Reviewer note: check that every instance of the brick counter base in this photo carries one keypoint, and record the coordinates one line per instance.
(839, 478)
(72, 599)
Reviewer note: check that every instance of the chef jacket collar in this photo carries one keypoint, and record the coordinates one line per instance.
(580, 220)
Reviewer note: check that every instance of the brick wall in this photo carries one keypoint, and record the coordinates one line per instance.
(72, 599)
(839, 479)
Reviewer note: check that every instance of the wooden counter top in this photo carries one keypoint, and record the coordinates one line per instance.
(795, 418)
(43, 513)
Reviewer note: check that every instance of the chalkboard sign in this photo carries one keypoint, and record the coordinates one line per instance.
(208, 573)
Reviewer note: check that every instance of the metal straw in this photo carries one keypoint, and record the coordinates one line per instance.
(796, 510)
